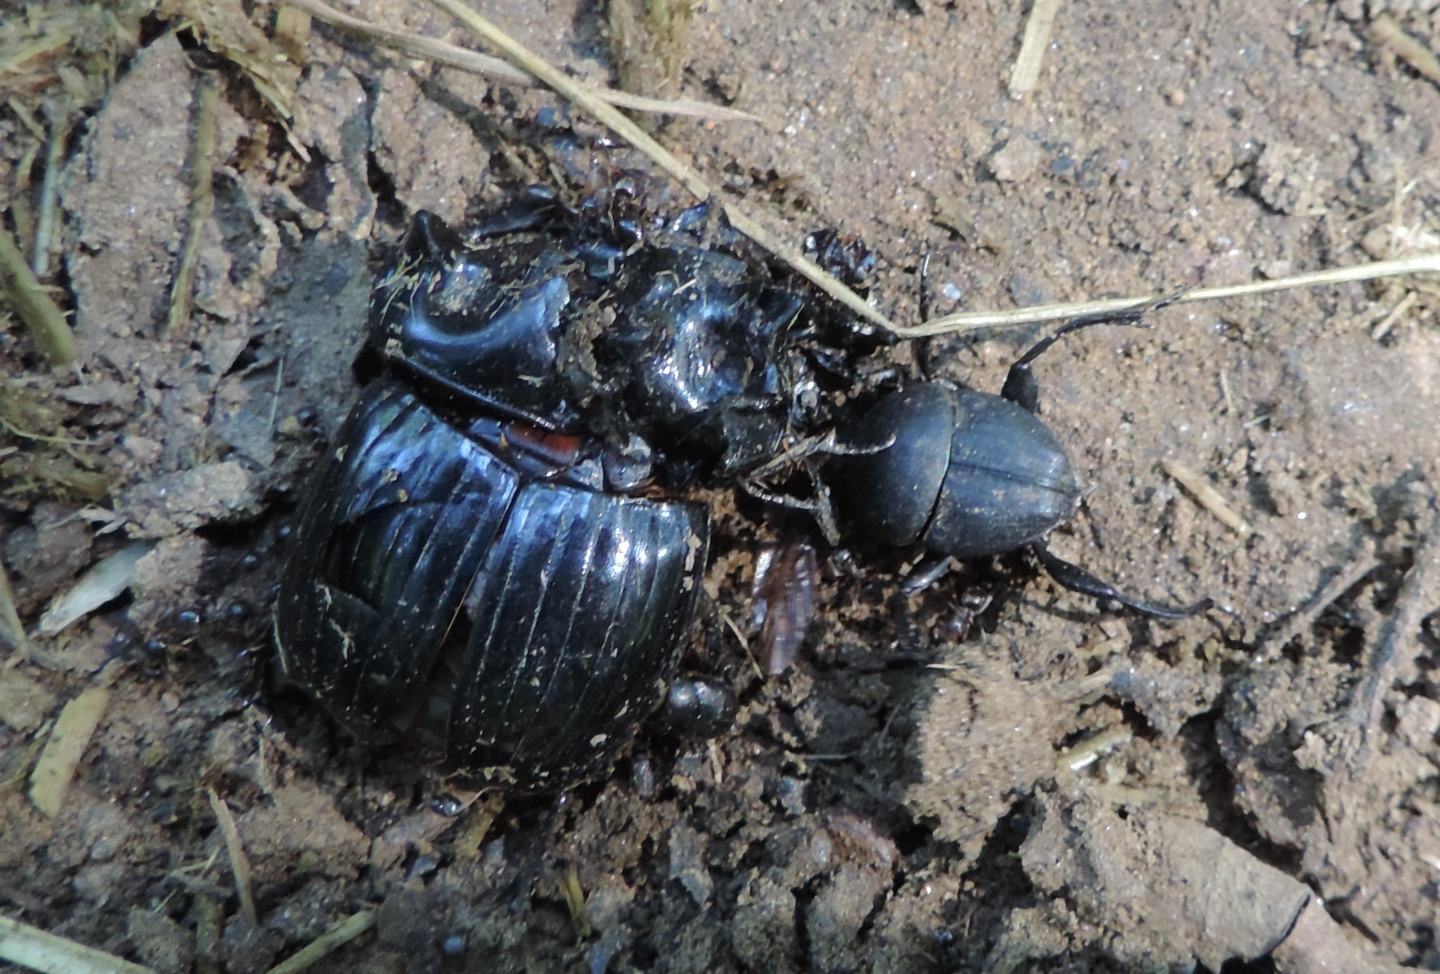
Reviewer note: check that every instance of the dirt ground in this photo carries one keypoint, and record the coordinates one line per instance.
(1051, 787)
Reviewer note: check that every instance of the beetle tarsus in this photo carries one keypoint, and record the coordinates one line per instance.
(1077, 579)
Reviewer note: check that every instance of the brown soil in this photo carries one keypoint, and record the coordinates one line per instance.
(1064, 789)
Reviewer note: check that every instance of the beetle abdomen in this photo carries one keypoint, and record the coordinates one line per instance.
(1008, 481)
(532, 625)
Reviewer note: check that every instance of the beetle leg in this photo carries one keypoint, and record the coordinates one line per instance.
(924, 365)
(818, 507)
(1020, 385)
(1077, 579)
(930, 570)
(924, 287)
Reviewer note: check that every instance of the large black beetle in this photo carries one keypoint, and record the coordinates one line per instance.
(473, 561)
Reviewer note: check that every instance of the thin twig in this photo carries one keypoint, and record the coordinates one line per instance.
(1382, 328)
(1357, 567)
(331, 940)
(41, 315)
(501, 70)
(239, 864)
(1399, 640)
(1032, 48)
(202, 201)
(685, 174)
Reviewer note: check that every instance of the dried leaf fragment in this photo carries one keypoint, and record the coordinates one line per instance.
(63, 751)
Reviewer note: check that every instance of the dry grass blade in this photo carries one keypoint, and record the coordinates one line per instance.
(498, 69)
(1417, 55)
(329, 941)
(1032, 48)
(101, 582)
(224, 27)
(12, 631)
(63, 751)
(239, 865)
(575, 900)
(1207, 497)
(41, 315)
(975, 320)
(686, 175)
(32, 947)
(202, 202)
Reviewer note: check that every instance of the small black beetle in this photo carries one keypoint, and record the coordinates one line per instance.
(968, 474)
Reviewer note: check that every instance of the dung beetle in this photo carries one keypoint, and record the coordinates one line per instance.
(967, 474)
(493, 556)
(475, 562)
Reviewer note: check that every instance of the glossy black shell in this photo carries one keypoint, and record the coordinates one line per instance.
(964, 473)
(528, 627)
(467, 568)
(570, 328)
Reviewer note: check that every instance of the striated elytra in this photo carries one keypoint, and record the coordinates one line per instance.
(968, 474)
(527, 628)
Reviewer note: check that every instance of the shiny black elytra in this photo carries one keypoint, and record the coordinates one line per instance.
(527, 626)
(469, 564)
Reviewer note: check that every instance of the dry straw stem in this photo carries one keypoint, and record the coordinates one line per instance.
(1032, 48)
(686, 175)
(202, 202)
(42, 316)
(239, 864)
(1207, 497)
(328, 942)
(46, 209)
(440, 52)
(1419, 57)
(32, 947)
(1093, 748)
(975, 320)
